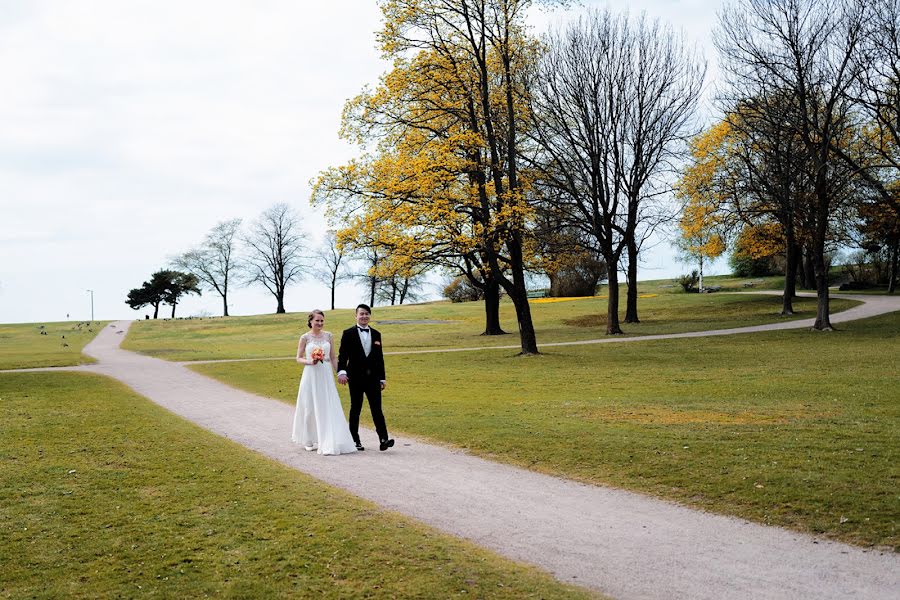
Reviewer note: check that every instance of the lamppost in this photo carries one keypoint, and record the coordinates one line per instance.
(92, 304)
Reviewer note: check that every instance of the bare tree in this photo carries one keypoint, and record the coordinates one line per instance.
(665, 78)
(879, 97)
(332, 264)
(275, 251)
(611, 102)
(371, 260)
(805, 50)
(402, 286)
(214, 263)
(879, 88)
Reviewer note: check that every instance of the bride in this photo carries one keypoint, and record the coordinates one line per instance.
(319, 422)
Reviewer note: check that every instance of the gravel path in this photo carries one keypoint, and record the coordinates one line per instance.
(619, 543)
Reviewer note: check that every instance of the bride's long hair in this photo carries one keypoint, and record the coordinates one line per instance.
(312, 315)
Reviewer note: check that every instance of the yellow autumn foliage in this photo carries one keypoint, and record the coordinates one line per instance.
(423, 188)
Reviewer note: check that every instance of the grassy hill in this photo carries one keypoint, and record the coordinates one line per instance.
(663, 308)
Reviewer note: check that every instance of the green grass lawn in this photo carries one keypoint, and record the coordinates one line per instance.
(23, 346)
(104, 494)
(663, 310)
(793, 428)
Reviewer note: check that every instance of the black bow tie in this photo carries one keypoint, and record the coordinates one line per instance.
(366, 329)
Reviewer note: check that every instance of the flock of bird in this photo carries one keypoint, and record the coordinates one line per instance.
(79, 329)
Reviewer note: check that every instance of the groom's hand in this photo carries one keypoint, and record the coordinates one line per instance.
(342, 379)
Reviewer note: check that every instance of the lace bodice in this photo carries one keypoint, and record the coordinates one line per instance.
(314, 342)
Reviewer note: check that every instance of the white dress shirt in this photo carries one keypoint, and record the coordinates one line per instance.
(365, 337)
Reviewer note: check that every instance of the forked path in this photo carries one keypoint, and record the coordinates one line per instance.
(622, 544)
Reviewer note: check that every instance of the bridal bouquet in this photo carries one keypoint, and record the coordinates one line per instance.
(317, 355)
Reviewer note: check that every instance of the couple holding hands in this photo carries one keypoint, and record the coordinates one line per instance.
(319, 419)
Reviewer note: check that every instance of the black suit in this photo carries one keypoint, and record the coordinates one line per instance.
(365, 374)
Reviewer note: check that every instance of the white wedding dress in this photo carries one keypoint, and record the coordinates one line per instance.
(319, 418)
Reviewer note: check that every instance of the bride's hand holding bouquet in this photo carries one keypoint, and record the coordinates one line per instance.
(317, 355)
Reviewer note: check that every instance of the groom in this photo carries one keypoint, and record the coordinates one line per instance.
(361, 364)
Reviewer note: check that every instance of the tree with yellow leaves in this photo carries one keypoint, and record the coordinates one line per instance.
(700, 226)
(442, 184)
(756, 248)
(704, 191)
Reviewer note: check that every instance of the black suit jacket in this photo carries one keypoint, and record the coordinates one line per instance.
(353, 360)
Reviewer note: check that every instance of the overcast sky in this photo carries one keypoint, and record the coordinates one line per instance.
(129, 128)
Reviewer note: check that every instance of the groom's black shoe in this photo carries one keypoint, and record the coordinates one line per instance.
(359, 446)
(385, 444)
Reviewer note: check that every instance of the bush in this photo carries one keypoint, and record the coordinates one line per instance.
(689, 282)
(462, 290)
(743, 265)
(578, 279)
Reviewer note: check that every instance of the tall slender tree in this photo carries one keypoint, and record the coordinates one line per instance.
(215, 262)
(332, 264)
(276, 256)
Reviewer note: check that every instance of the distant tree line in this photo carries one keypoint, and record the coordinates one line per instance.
(274, 252)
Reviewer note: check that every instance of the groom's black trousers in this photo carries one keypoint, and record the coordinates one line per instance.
(372, 390)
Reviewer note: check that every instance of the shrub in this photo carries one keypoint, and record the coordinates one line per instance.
(462, 290)
(689, 282)
(578, 279)
(743, 265)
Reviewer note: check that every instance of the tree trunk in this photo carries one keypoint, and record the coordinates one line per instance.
(527, 336)
(808, 272)
(892, 272)
(156, 310)
(492, 308)
(822, 212)
(519, 296)
(612, 305)
(631, 311)
(174, 304)
(701, 276)
(332, 295)
(280, 297)
(373, 283)
(225, 305)
(790, 278)
(823, 317)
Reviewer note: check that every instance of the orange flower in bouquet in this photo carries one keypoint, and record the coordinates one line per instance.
(317, 355)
